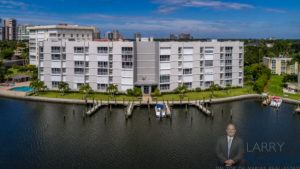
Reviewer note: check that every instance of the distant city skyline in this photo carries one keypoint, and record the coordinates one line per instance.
(200, 18)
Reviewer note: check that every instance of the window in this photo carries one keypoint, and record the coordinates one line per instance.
(228, 62)
(127, 58)
(127, 50)
(209, 63)
(201, 49)
(102, 64)
(41, 70)
(78, 50)
(221, 56)
(187, 71)
(164, 78)
(164, 58)
(55, 84)
(127, 65)
(228, 68)
(165, 87)
(188, 85)
(79, 63)
(209, 50)
(55, 49)
(240, 55)
(102, 49)
(55, 56)
(228, 49)
(41, 57)
(56, 70)
(81, 49)
(78, 71)
(52, 35)
(222, 49)
(240, 74)
(101, 86)
(207, 83)
(102, 71)
(228, 75)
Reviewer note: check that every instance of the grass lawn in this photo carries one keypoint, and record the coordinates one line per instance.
(274, 87)
(207, 94)
(189, 95)
(97, 96)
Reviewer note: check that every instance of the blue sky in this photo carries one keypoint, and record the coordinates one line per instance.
(159, 18)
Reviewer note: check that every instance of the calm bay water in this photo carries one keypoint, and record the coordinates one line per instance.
(35, 135)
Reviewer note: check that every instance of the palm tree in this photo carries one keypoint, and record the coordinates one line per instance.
(213, 87)
(37, 86)
(296, 58)
(85, 89)
(112, 90)
(25, 55)
(63, 87)
(181, 90)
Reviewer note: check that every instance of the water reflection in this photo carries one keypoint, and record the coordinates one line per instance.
(44, 135)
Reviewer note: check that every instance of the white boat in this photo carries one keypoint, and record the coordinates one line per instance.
(276, 101)
(160, 110)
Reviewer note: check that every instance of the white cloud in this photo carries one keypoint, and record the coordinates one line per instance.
(172, 5)
(275, 10)
(12, 4)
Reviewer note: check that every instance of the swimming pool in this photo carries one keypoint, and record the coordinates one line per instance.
(22, 89)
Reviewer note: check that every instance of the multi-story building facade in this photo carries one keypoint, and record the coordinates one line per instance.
(147, 64)
(281, 65)
(23, 32)
(39, 34)
(77, 63)
(10, 29)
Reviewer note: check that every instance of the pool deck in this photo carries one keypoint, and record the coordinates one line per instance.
(5, 91)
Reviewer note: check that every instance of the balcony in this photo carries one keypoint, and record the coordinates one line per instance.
(127, 52)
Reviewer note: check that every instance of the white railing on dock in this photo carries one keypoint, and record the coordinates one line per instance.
(129, 109)
(93, 109)
(203, 109)
(168, 110)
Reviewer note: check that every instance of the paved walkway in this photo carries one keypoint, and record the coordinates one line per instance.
(146, 98)
(5, 90)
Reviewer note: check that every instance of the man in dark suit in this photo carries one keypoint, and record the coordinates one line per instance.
(230, 148)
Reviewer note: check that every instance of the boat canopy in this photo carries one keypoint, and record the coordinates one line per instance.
(161, 106)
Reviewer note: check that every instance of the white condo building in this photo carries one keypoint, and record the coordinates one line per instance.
(39, 34)
(147, 64)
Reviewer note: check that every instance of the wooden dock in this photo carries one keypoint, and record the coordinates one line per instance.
(297, 110)
(95, 108)
(130, 105)
(129, 109)
(202, 108)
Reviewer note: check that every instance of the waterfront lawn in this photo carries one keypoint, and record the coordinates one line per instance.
(75, 95)
(207, 94)
(275, 86)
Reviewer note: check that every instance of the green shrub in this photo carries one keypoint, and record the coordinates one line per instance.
(129, 92)
(157, 92)
(137, 91)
